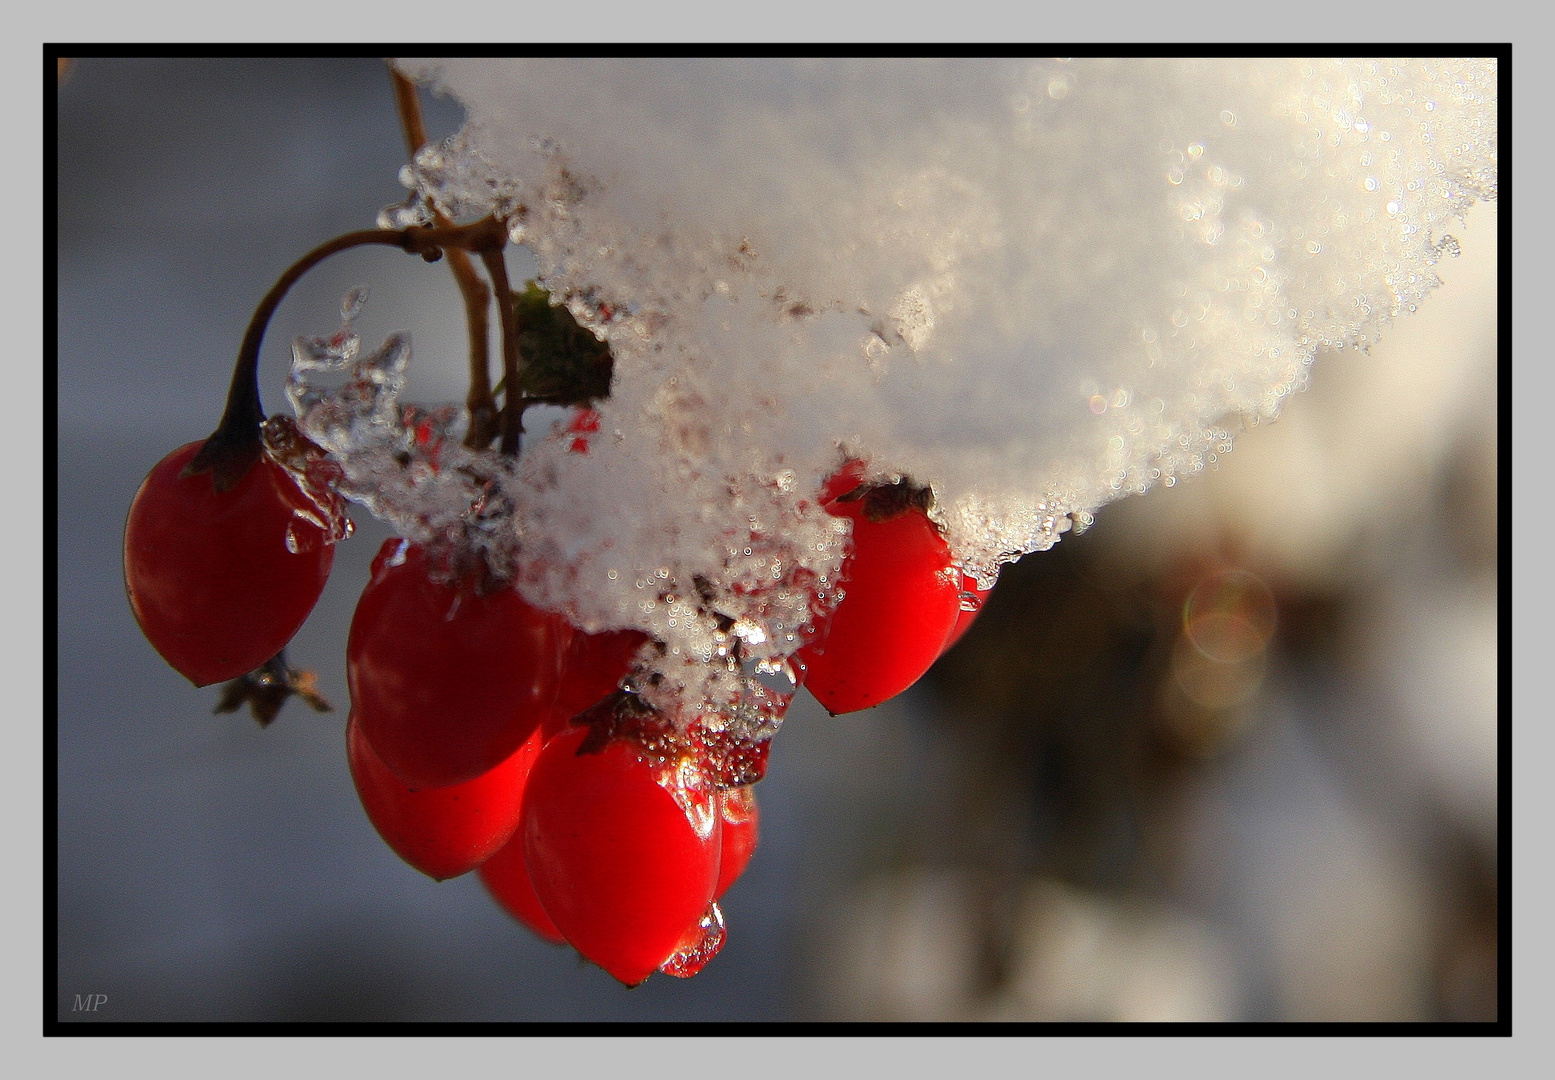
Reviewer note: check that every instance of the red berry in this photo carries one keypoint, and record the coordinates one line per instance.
(901, 600)
(447, 682)
(595, 666)
(738, 807)
(968, 615)
(220, 581)
(507, 879)
(623, 853)
(443, 831)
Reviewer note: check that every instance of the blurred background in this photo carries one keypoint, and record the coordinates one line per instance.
(1231, 754)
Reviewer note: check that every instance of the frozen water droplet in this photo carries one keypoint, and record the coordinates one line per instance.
(351, 303)
(699, 945)
(403, 215)
(688, 785)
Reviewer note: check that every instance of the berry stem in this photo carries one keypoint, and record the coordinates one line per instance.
(266, 688)
(512, 409)
(235, 445)
(477, 297)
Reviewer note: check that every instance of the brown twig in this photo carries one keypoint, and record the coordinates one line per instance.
(512, 409)
(477, 297)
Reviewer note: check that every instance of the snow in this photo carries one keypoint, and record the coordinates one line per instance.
(1036, 285)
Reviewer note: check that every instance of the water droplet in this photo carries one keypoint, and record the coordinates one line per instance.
(699, 945)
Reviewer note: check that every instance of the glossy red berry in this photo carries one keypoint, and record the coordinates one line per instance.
(623, 853)
(902, 597)
(740, 833)
(220, 581)
(447, 681)
(444, 831)
(507, 879)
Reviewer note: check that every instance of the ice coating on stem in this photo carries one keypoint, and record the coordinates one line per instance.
(1036, 285)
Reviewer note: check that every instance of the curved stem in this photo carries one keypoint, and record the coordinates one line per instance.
(234, 446)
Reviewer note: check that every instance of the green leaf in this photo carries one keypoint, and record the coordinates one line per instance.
(563, 362)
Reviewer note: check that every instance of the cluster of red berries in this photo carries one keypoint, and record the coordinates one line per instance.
(486, 733)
